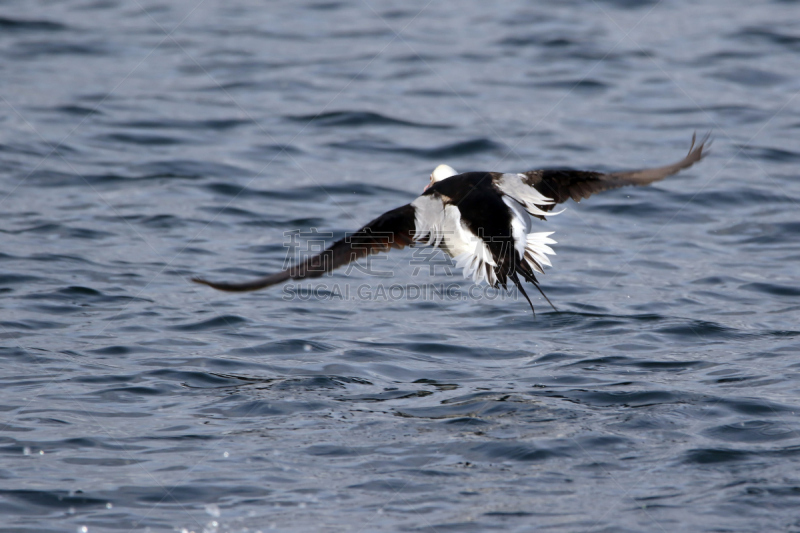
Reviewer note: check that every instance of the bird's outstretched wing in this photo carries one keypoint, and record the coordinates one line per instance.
(393, 229)
(561, 185)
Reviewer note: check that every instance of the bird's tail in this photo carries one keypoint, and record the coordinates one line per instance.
(523, 269)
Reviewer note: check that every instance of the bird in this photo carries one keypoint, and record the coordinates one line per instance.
(480, 219)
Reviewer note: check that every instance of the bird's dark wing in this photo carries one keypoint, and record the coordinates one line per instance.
(562, 185)
(394, 229)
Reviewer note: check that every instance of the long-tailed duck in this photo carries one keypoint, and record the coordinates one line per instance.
(481, 219)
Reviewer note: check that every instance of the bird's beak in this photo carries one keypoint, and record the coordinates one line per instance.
(428, 185)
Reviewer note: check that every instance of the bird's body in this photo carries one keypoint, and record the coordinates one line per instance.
(481, 219)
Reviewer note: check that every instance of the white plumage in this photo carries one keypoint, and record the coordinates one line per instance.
(440, 224)
(512, 186)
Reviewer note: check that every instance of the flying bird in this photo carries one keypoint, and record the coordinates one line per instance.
(480, 219)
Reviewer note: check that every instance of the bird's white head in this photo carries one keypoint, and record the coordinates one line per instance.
(440, 173)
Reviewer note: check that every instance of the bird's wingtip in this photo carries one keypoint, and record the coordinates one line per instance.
(703, 145)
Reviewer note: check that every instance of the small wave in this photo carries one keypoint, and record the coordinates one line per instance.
(436, 348)
(515, 452)
(387, 395)
(66, 232)
(459, 149)
(209, 124)
(159, 221)
(259, 408)
(360, 34)
(756, 34)
(136, 393)
(723, 199)
(292, 223)
(101, 462)
(752, 406)
(311, 383)
(576, 85)
(358, 118)
(30, 25)
(306, 194)
(690, 110)
(467, 422)
(325, 6)
(37, 148)
(701, 330)
(55, 178)
(199, 380)
(222, 321)
(229, 211)
(59, 258)
(35, 50)
(77, 110)
(58, 499)
(478, 409)
(727, 455)
(31, 325)
(651, 365)
(83, 296)
(537, 40)
(630, 4)
(752, 431)
(17, 279)
(772, 289)
(415, 57)
(762, 234)
(706, 456)
(275, 149)
(287, 347)
(619, 398)
(158, 493)
(777, 155)
(329, 450)
(393, 486)
(751, 77)
(156, 170)
(186, 169)
(119, 350)
(142, 140)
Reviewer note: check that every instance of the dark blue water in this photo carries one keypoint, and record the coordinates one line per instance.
(145, 142)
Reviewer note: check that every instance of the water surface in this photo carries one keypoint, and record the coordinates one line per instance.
(142, 143)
